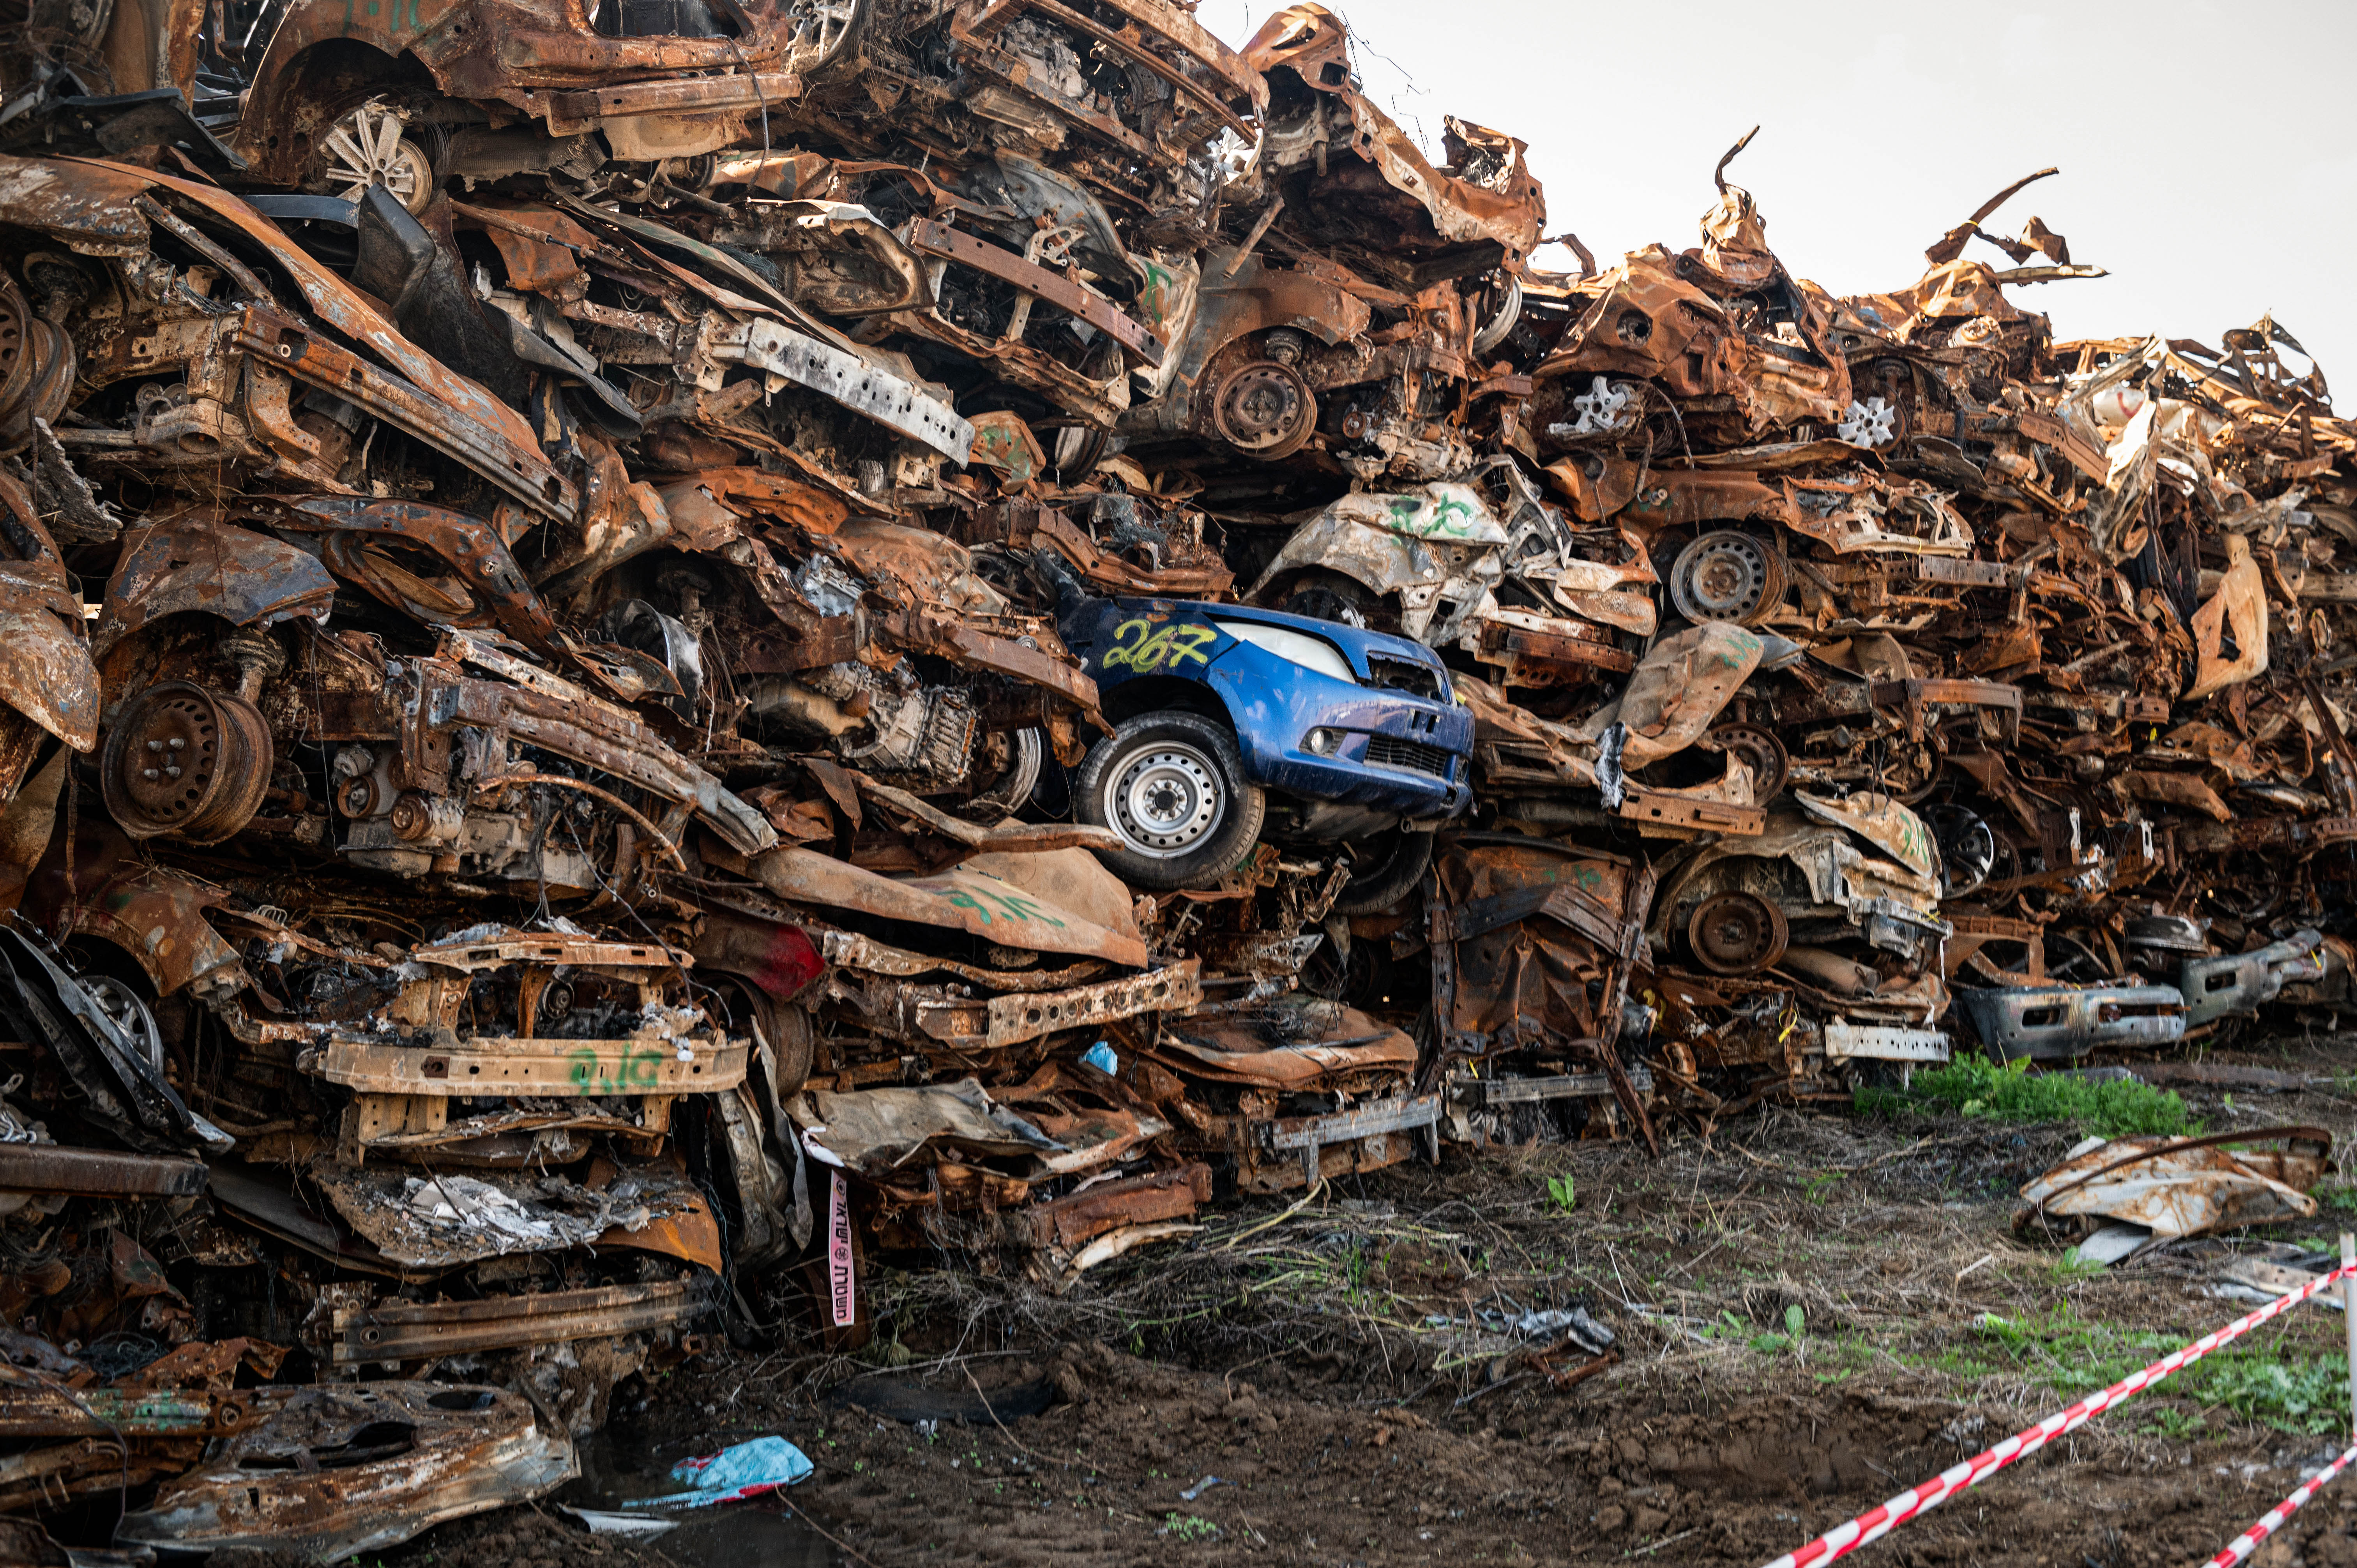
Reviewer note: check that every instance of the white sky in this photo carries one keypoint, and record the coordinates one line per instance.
(2208, 149)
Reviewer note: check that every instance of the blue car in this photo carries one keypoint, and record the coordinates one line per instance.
(1232, 723)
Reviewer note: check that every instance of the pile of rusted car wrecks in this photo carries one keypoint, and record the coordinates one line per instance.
(653, 645)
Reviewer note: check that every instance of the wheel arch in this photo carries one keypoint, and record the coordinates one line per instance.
(1284, 584)
(1162, 693)
(296, 97)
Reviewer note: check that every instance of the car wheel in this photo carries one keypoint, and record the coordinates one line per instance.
(374, 144)
(1171, 786)
(1387, 870)
(821, 33)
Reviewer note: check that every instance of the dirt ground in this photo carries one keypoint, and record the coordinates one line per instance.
(1813, 1310)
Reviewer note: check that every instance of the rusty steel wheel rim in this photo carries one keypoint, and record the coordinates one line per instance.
(186, 761)
(1264, 409)
(1727, 575)
(1737, 933)
(1770, 765)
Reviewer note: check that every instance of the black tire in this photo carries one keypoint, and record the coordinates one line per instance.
(1389, 873)
(1193, 763)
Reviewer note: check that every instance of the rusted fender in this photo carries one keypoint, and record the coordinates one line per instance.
(193, 563)
(152, 913)
(1312, 41)
(46, 671)
(482, 569)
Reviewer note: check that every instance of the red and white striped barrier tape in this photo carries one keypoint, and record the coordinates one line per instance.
(1877, 1522)
(2243, 1545)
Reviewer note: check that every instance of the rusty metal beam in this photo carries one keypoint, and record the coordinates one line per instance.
(1698, 816)
(1311, 1133)
(409, 1331)
(47, 1411)
(97, 1172)
(1566, 1086)
(1172, 990)
(513, 1067)
(940, 240)
(571, 112)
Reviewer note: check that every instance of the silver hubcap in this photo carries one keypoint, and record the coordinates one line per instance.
(1167, 802)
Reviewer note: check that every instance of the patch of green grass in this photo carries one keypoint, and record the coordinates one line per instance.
(2011, 1092)
(2061, 1352)
(1189, 1527)
(2310, 1394)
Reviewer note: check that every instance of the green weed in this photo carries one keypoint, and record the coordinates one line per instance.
(2011, 1092)
(1562, 1193)
(1189, 1527)
(2170, 1422)
(2070, 1266)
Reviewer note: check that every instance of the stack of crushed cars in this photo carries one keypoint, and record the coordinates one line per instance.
(653, 646)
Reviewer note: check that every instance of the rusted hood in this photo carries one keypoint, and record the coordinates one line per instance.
(964, 900)
(1679, 688)
(876, 1129)
(1882, 822)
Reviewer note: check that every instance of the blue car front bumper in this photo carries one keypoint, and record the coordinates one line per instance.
(1419, 748)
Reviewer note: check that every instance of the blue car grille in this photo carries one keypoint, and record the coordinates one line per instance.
(1412, 757)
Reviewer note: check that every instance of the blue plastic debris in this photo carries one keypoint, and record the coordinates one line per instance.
(1102, 1058)
(740, 1471)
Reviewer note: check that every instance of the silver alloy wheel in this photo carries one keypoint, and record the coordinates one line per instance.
(1168, 800)
(367, 147)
